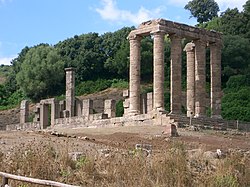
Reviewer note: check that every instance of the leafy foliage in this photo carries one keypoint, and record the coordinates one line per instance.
(203, 10)
(41, 73)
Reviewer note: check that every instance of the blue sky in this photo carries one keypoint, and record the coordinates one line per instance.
(31, 22)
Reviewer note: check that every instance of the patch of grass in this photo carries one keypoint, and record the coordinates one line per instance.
(169, 169)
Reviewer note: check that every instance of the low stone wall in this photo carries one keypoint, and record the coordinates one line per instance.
(24, 126)
(144, 119)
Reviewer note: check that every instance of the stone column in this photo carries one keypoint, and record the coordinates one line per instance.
(158, 82)
(189, 48)
(24, 111)
(70, 91)
(134, 75)
(175, 78)
(215, 68)
(200, 78)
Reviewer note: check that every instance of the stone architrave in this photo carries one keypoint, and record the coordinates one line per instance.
(175, 78)
(158, 80)
(24, 111)
(70, 91)
(215, 69)
(134, 74)
(189, 48)
(200, 78)
(87, 108)
(110, 108)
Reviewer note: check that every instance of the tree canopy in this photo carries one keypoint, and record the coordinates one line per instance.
(41, 73)
(203, 10)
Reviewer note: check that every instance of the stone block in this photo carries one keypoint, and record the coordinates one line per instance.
(125, 93)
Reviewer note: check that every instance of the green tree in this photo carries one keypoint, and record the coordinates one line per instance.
(42, 73)
(235, 56)
(203, 10)
(85, 53)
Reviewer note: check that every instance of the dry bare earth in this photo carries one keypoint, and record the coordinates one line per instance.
(122, 140)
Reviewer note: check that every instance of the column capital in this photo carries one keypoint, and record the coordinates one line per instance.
(216, 44)
(189, 47)
(134, 37)
(69, 69)
(158, 32)
(200, 42)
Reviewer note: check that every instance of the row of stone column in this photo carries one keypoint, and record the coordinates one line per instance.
(196, 78)
(196, 75)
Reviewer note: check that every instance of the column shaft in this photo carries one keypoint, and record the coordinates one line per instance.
(134, 75)
(200, 78)
(70, 91)
(215, 68)
(175, 78)
(158, 71)
(190, 79)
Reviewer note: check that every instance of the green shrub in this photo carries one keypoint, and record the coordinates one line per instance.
(88, 87)
(119, 83)
(119, 108)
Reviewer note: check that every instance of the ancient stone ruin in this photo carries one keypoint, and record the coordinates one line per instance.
(145, 109)
(196, 67)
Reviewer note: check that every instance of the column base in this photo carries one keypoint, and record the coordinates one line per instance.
(133, 113)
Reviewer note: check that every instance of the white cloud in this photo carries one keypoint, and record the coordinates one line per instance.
(223, 4)
(111, 12)
(6, 60)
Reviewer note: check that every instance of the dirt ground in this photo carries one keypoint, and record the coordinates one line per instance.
(91, 140)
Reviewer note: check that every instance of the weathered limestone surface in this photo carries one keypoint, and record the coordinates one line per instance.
(171, 27)
(110, 108)
(189, 48)
(143, 104)
(44, 112)
(175, 79)
(158, 71)
(134, 75)
(200, 78)
(149, 102)
(215, 69)
(70, 91)
(87, 108)
(24, 111)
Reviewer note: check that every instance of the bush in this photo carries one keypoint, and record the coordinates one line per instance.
(119, 109)
(119, 83)
(88, 87)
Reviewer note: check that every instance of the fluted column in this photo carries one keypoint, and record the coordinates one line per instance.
(134, 74)
(200, 78)
(175, 79)
(215, 68)
(158, 98)
(189, 48)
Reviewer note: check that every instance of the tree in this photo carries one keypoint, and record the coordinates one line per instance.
(85, 53)
(203, 10)
(235, 56)
(42, 73)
